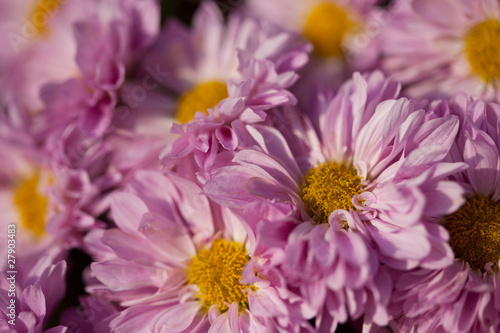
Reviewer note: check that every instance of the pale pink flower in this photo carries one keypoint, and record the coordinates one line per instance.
(439, 48)
(463, 297)
(175, 228)
(385, 161)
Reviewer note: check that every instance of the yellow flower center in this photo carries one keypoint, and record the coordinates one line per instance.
(328, 187)
(31, 205)
(217, 273)
(200, 98)
(475, 232)
(42, 13)
(482, 47)
(325, 27)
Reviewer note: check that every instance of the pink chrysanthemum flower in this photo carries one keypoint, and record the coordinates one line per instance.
(38, 46)
(373, 174)
(195, 151)
(343, 33)
(193, 267)
(109, 42)
(339, 274)
(221, 73)
(53, 187)
(438, 48)
(28, 300)
(373, 146)
(29, 199)
(90, 136)
(464, 297)
(213, 60)
(54, 41)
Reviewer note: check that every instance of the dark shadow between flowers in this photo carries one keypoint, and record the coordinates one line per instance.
(77, 261)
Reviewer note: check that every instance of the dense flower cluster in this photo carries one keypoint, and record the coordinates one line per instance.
(273, 166)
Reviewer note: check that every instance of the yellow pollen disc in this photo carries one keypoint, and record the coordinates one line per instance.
(325, 27)
(202, 97)
(475, 232)
(482, 47)
(328, 187)
(31, 205)
(42, 13)
(217, 273)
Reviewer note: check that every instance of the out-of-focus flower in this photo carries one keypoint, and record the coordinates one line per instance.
(51, 41)
(193, 267)
(224, 73)
(213, 60)
(343, 32)
(374, 173)
(33, 198)
(108, 45)
(55, 191)
(439, 48)
(463, 297)
(90, 131)
(38, 46)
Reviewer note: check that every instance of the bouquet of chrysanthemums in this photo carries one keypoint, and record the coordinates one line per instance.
(249, 166)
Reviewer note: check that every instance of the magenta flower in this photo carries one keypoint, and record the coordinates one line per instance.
(465, 296)
(193, 267)
(439, 48)
(374, 173)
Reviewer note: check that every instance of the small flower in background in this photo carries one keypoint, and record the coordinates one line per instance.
(38, 199)
(213, 60)
(109, 41)
(38, 46)
(439, 48)
(51, 207)
(344, 35)
(221, 73)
